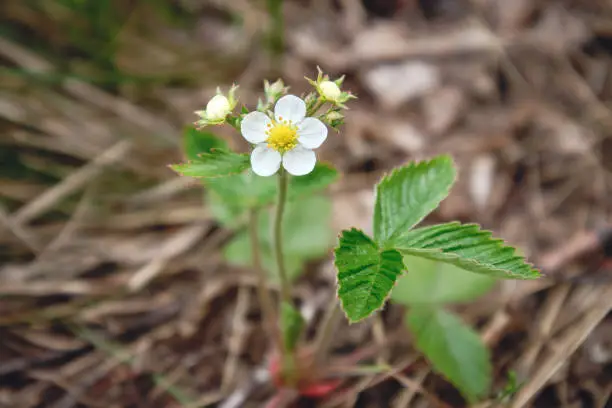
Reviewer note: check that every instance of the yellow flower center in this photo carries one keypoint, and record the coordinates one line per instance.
(282, 136)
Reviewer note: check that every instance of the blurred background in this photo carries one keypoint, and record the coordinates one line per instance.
(114, 291)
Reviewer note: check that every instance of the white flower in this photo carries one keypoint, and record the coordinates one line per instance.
(288, 139)
(330, 91)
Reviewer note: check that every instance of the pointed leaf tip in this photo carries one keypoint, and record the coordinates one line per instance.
(468, 247)
(408, 194)
(366, 274)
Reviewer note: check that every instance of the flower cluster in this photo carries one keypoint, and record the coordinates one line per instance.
(285, 129)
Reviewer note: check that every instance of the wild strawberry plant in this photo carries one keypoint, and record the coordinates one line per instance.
(425, 268)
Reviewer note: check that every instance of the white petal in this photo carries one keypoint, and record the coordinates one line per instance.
(299, 161)
(290, 108)
(254, 126)
(265, 161)
(312, 133)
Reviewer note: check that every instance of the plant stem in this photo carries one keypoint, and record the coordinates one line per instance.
(265, 300)
(278, 236)
(326, 333)
(315, 108)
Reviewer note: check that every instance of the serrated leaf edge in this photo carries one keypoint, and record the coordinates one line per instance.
(500, 243)
(202, 155)
(338, 285)
(388, 176)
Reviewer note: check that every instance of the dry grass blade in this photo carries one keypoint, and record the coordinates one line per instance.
(176, 245)
(94, 94)
(566, 346)
(89, 93)
(236, 339)
(71, 183)
(19, 231)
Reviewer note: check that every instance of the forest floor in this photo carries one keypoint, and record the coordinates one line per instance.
(113, 288)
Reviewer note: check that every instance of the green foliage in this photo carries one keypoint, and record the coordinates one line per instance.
(322, 176)
(468, 247)
(197, 141)
(240, 192)
(216, 163)
(453, 348)
(306, 223)
(403, 199)
(231, 196)
(409, 194)
(306, 237)
(366, 274)
(292, 323)
(435, 283)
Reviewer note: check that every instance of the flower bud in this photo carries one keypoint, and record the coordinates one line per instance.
(275, 88)
(330, 91)
(333, 115)
(218, 108)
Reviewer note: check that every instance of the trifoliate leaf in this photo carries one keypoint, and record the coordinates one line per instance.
(196, 142)
(366, 274)
(454, 349)
(408, 194)
(432, 282)
(217, 163)
(468, 247)
(292, 324)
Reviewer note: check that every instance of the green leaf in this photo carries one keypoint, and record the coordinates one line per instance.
(231, 197)
(469, 248)
(306, 228)
(238, 252)
(366, 274)
(292, 324)
(261, 191)
(322, 176)
(306, 236)
(245, 188)
(409, 194)
(432, 282)
(453, 348)
(217, 163)
(231, 214)
(242, 191)
(197, 141)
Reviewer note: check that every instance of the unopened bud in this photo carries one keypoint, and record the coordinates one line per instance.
(333, 115)
(330, 91)
(218, 108)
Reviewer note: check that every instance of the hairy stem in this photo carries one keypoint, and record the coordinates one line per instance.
(320, 102)
(265, 300)
(326, 332)
(278, 236)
